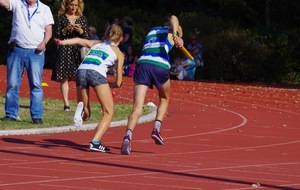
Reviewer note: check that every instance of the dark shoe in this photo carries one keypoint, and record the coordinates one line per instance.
(66, 108)
(126, 146)
(6, 118)
(99, 147)
(37, 121)
(157, 137)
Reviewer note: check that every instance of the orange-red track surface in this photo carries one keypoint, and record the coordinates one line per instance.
(218, 136)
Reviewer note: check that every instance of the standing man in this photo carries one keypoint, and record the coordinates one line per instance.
(31, 30)
(153, 69)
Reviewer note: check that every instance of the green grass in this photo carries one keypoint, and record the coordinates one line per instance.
(54, 116)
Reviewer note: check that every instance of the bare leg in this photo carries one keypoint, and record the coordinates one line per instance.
(106, 100)
(83, 96)
(64, 88)
(164, 99)
(137, 110)
(138, 103)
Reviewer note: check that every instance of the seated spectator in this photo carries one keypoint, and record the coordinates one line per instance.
(177, 71)
(195, 48)
(92, 36)
(183, 69)
(131, 69)
(190, 68)
(111, 70)
(129, 62)
(92, 33)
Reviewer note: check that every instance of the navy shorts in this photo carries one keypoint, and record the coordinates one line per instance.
(149, 75)
(88, 77)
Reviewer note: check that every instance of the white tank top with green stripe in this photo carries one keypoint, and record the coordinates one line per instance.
(99, 58)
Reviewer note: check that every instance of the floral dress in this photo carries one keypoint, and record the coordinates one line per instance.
(67, 57)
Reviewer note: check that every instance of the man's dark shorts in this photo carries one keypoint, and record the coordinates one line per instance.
(89, 77)
(149, 75)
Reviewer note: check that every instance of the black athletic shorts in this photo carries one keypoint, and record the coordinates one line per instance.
(149, 75)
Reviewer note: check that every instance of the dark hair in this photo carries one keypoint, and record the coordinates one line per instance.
(128, 20)
(166, 20)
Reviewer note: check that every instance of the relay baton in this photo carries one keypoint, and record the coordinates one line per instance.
(186, 53)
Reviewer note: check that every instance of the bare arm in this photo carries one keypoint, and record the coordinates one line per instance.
(5, 3)
(176, 29)
(175, 73)
(48, 35)
(120, 62)
(175, 25)
(79, 41)
(185, 64)
(194, 50)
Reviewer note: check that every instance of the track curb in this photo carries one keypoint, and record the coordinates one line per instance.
(71, 128)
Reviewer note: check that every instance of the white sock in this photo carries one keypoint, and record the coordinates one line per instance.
(157, 125)
(129, 133)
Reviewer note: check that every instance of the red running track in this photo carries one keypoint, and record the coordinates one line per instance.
(218, 136)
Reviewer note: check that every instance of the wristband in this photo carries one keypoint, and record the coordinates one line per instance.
(175, 35)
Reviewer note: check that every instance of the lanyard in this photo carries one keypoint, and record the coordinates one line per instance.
(28, 12)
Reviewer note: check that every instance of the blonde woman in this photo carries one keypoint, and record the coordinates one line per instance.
(70, 24)
(92, 73)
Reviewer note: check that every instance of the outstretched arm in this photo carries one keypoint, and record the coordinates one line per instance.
(79, 41)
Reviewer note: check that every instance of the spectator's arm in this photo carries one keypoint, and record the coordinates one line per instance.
(185, 64)
(194, 50)
(47, 37)
(48, 34)
(175, 73)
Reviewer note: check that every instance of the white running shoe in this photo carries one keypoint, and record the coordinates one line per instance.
(78, 115)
